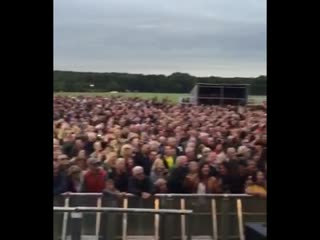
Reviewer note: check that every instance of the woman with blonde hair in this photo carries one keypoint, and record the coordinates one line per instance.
(75, 179)
(126, 151)
(110, 161)
(158, 170)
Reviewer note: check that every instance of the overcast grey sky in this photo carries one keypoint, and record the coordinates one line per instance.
(200, 37)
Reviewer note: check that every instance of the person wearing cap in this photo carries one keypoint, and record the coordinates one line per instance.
(94, 178)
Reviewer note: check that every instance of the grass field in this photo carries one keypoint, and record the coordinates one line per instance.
(174, 97)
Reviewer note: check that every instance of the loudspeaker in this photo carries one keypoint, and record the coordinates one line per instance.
(256, 231)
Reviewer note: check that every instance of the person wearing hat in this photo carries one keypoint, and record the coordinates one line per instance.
(94, 178)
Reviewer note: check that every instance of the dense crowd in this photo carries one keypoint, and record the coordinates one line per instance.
(143, 147)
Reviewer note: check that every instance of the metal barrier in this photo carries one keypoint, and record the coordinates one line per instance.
(220, 216)
(76, 219)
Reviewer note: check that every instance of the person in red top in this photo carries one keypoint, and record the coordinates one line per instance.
(94, 179)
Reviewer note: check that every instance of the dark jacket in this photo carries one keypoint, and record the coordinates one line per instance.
(233, 183)
(143, 161)
(120, 180)
(213, 171)
(60, 184)
(67, 149)
(176, 179)
(71, 185)
(137, 187)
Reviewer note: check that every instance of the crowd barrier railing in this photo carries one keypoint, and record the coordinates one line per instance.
(76, 217)
(220, 216)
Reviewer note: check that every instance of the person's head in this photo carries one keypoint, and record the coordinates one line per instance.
(168, 151)
(205, 152)
(153, 156)
(181, 161)
(223, 168)
(172, 142)
(117, 133)
(92, 136)
(210, 142)
(193, 167)
(82, 154)
(74, 172)
(154, 146)
(204, 138)
(56, 144)
(135, 142)
(109, 185)
(108, 150)
(79, 143)
(120, 164)
(260, 177)
(256, 158)
(97, 146)
(242, 168)
(161, 186)
(231, 153)
(204, 170)
(191, 144)
(162, 140)
(63, 160)
(211, 158)
(93, 164)
(249, 181)
(190, 153)
(258, 146)
(252, 166)
(138, 172)
(158, 165)
(126, 150)
(111, 158)
(219, 148)
(145, 149)
(244, 151)
(130, 162)
(114, 144)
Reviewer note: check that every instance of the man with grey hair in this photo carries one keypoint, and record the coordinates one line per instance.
(139, 184)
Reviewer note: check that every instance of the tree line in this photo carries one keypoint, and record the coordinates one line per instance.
(67, 81)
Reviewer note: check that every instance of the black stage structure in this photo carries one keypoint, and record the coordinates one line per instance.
(219, 94)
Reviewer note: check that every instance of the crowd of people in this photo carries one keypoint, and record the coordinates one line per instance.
(142, 147)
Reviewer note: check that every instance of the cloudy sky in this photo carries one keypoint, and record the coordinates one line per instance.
(200, 37)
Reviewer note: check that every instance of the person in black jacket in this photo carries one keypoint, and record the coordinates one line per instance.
(177, 176)
(142, 159)
(60, 183)
(119, 175)
(139, 184)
